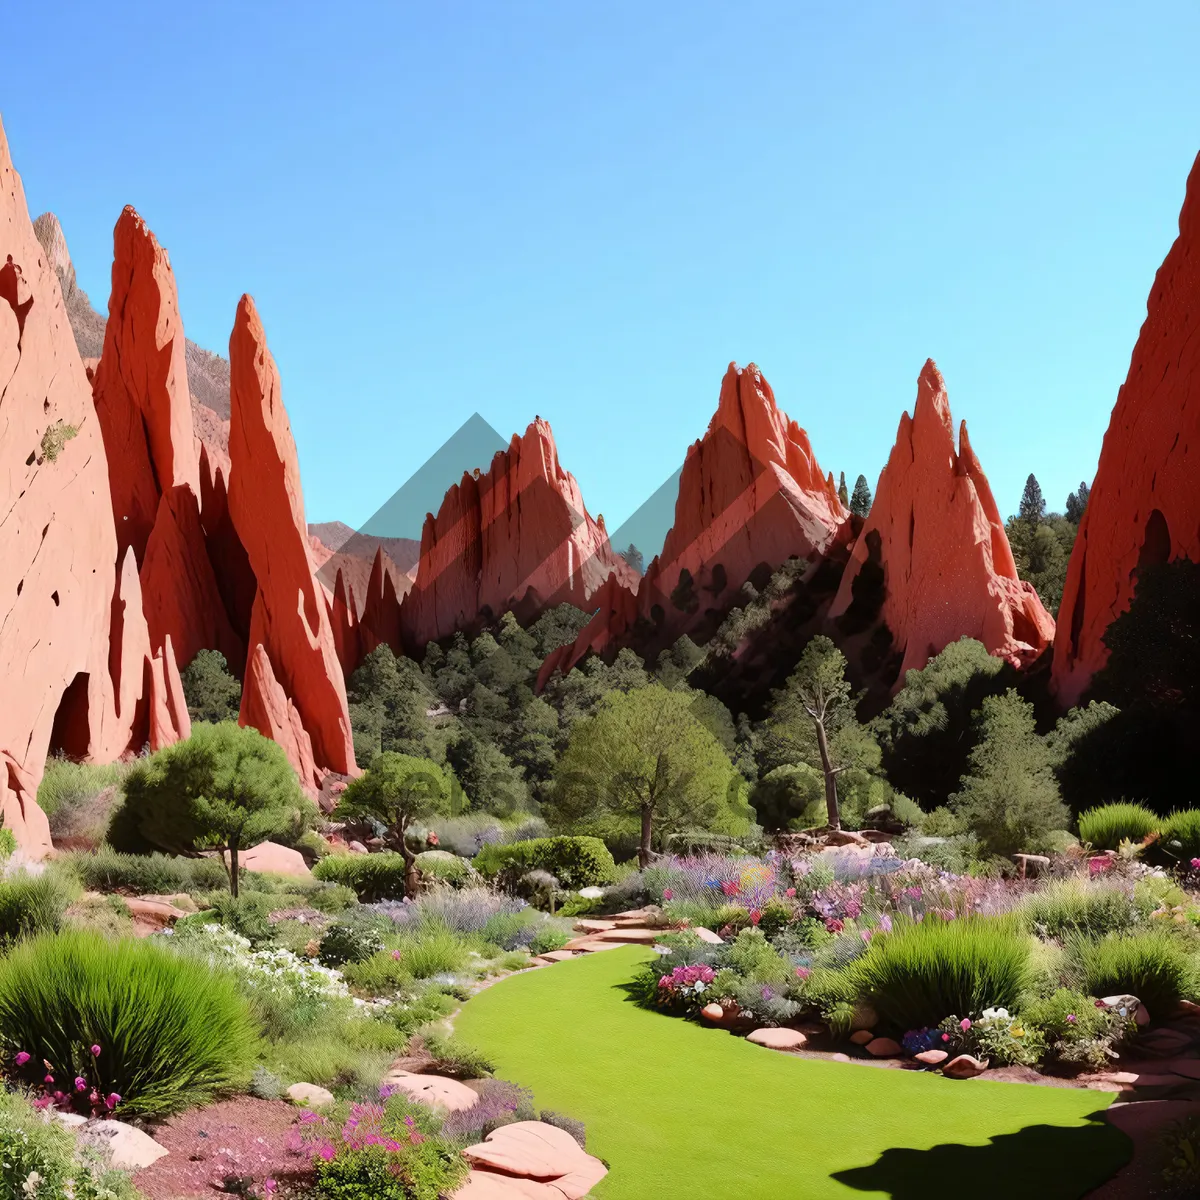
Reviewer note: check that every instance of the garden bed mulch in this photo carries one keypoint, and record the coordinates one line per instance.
(232, 1138)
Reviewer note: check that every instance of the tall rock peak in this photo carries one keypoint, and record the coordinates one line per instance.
(933, 561)
(1145, 500)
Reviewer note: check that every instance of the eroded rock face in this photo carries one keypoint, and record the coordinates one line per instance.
(292, 650)
(616, 612)
(58, 547)
(1144, 506)
(517, 537)
(751, 495)
(933, 560)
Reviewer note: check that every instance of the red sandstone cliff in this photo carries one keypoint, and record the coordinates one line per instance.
(751, 494)
(935, 533)
(1145, 502)
(517, 537)
(293, 691)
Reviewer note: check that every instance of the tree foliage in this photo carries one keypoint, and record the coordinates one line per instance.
(860, 498)
(1009, 798)
(644, 759)
(210, 689)
(843, 494)
(1077, 503)
(225, 788)
(1033, 504)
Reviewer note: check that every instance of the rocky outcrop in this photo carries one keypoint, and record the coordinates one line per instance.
(1145, 502)
(140, 391)
(751, 496)
(933, 561)
(615, 616)
(294, 689)
(58, 547)
(517, 537)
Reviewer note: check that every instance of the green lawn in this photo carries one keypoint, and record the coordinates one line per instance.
(681, 1112)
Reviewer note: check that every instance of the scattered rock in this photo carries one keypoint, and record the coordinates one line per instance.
(123, 1146)
(71, 1120)
(840, 1057)
(270, 858)
(713, 1012)
(447, 1094)
(310, 1095)
(860, 1037)
(587, 925)
(558, 955)
(591, 893)
(932, 1058)
(357, 848)
(884, 1048)
(529, 1148)
(707, 935)
(964, 1067)
(778, 1039)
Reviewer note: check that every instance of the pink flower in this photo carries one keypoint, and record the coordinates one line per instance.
(965, 1024)
(111, 1101)
(1070, 1018)
(396, 955)
(326, 1151)
(755, 916)
(667, 893)
(80, 1083)
(790, 893)
(22, 1058)
(834, 925)
(1196, 864)
(945, 1037)
(48, 1079)
(802, 972)
(866, 934)
(269, 1186)
(95, 1051)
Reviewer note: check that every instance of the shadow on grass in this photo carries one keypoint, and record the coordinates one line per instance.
(1047, 1161)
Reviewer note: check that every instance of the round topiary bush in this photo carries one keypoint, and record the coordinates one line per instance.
(131, 1018)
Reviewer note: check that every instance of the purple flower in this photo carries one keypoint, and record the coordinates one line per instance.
(96, 1054)
(112, 1100)
(22, 1058)
(49, 1078)
(1196, 864)
(80, 1083)
(667, 893)
(885, 923)
(1071, 1018)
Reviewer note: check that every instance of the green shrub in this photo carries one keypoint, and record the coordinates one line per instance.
(8, 842)
(32, 1146)
(1074, 1029)
(454, 1057)
(576, 862)
(1179, 1145)
(919, 974)
(372, 876)
(32, 904)
(173, 1031)
(444, 867)
(246, 914)
(755, 959)
(547, 939)
(1181, 835)
(343, 943)
(1076, 907)
(106, 916)
(1152, 966)
(332, 897)
(311, 843)
(108, 870)
(380, 974)
(424, 1171)
(432, 952)
(1107, 826)
(78, 798)
(416, 1010)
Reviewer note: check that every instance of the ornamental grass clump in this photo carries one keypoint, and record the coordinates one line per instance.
(1076, 906)
(1106, 827)
(126, 1019)
(1181, 836)
(32, 904)
(1154, 966)
(918, 974)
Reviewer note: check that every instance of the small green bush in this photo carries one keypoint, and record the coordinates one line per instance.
(432, 952)
(32, 904)
(372, 876)
(547, 939)
(108, 870)
(1107, 826)
(343, 943)
(1074, 1029)
(919, 974)
(32, 1146)
(419, 1009)
(1181, 835)
(173, 1031)
(247, 914)
(444, 867)
(1152, 966)
(79, 798)
(425, 1171)
(8, 842)
(1076, 907)
(454, 1057)
(576, 862)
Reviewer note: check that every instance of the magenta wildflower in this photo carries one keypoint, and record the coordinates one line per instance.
(269, 1186)
(802, 972)
(965, 1024)
(80, 1083)
(1070, 1018)
(1196, 864)
(95, 1051)
(667, 893)
(396, 955)
(48, 1079)
(834, 925)
(22, 1058)
(790, 893)
(112, 1100)
(326, 1151)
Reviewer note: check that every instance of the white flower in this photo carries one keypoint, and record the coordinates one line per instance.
(30, 1186)
(995, 1014)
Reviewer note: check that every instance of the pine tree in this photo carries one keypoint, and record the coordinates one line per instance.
(1033, 503)
(860, 499)
(633, 556)
(1077, 503)
(843, 495)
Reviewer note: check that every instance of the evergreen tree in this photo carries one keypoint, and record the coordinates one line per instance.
(1010, 798)
(1077, 503)
(1033, 504)
(860, 499)
(843, 495)
(633, 556)
(211, 691)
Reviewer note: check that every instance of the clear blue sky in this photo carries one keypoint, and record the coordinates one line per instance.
(586, 210)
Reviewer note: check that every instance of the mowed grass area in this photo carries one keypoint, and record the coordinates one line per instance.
(682, 1112)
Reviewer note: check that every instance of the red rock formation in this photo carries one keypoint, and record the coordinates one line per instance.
(518, 537)
(169, 720)
(1145, 502)
(293, 679)
(58, 547)
(935, 533)
(140, 389)
(751, 493)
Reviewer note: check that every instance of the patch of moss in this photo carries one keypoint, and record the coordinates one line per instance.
(55, 438)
